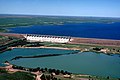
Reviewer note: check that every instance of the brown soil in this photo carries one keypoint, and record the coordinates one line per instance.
(104, 42)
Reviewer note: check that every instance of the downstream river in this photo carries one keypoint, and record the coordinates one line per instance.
(85, 63)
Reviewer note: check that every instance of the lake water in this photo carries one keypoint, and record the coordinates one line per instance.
(85, 63)
(87, 30)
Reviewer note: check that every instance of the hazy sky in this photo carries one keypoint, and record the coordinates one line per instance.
(102, 8)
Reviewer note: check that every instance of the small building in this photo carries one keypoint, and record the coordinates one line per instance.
(105, 50)
(67, 76)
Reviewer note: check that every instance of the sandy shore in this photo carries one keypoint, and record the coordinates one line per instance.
(47, 48)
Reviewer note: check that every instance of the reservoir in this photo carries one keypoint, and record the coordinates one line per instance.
(85, 30)
(84, 63)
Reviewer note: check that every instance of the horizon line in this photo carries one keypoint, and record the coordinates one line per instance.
(58, 15)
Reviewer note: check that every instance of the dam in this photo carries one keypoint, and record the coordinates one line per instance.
(64, 39)
(47, 38)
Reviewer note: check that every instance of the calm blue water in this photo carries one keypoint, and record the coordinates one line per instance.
(8, 55)
(87, 30)
(85, 63)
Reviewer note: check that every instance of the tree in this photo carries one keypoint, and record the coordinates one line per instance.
(57, 72)
(46, 69)
(50, 70)
(107, 77)
(38, 68)
(62, 71)
(48, 77)
(43, 77)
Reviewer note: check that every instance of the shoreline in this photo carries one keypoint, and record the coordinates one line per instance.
(46, 48)
(38, 72)
(82, 44)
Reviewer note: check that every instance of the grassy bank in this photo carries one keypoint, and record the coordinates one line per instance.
(83, 47)
(16, 76)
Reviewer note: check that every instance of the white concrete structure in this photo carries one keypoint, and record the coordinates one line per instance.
(47, 38)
